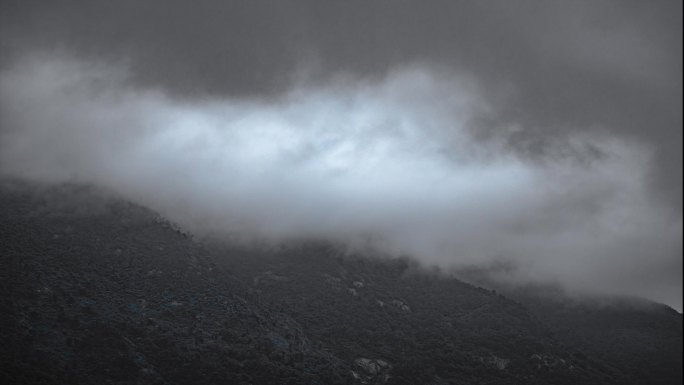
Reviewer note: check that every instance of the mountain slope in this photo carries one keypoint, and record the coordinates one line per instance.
(97, 290)
(114, 295)
(641, 338)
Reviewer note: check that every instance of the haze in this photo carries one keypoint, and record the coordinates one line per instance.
(544, 135)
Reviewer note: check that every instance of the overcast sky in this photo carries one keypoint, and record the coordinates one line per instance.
(544, 134)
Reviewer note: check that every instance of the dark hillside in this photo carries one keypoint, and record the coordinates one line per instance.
(97, 290)
(116, 295)
(430, 328)
(641, 338)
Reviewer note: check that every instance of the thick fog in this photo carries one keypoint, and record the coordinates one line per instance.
(543, 136)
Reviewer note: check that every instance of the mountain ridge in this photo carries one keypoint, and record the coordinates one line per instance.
(88, 275)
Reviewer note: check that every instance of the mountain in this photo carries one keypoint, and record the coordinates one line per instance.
(641, 338)
(94, 289)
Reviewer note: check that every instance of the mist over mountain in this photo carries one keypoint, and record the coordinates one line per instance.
(379, 165)
(547, 136)
(393, 152)
(96, 289)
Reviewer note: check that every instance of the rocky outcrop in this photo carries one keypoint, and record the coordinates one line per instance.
(401, 305)
(496, 362)
(371, 371)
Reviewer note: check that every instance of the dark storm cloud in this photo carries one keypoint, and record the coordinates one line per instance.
(573, 108)
(555, 66)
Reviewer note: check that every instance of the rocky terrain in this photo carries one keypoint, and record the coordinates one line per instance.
(97, 290)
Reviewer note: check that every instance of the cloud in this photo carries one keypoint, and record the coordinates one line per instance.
(557, 67)
(393, 164)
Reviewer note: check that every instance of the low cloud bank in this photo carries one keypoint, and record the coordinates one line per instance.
(395, 165)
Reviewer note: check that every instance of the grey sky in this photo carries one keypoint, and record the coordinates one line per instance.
(570, 111)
